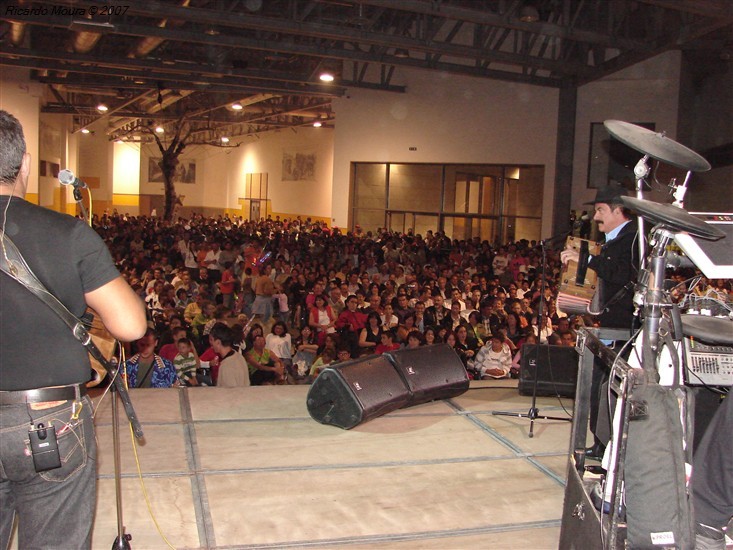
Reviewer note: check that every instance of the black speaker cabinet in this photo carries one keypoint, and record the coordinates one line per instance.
(353, 392)
(431, 372)
(556, 369)
(581, 522)
(348, 394)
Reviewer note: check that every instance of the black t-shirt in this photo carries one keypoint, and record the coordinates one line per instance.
(69, 258)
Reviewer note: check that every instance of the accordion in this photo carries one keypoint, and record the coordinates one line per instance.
(577, 282)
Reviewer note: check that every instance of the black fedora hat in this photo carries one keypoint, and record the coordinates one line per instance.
(609, 194)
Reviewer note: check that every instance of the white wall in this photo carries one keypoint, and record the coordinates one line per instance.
(449, 119)
(221, 172)
(645, 92)
(126, 168)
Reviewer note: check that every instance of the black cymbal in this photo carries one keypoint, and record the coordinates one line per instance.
(672, 217)
(656, 145)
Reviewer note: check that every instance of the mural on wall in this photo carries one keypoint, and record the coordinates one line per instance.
(610, 160)
(299, 166)
(185, 173)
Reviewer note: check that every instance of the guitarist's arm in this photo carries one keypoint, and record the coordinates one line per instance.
(119, 308)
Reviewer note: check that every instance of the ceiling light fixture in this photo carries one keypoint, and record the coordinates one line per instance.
(85, 130)
(529, 14)
(159, 129)
(327, 76)
(237, 106)
(317, 124)
(402, 53)
(102, 108)
(224, 139)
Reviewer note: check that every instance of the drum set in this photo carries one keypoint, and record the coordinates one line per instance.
(664, 356)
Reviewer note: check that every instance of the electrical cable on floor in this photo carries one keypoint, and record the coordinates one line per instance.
(142, 485)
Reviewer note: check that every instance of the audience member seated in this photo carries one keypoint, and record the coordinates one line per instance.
(388, 318)
(265, 368)
(371, 335)
(493, 360)
(465, 345)
(321, 319)
(188, 365)
(415, 339)
(517, 360)
(435, 314)
(387, 344)
(279, 342)
(306, 351)
(145, 369)
(350, 323)
(233, 371)
(454, 318)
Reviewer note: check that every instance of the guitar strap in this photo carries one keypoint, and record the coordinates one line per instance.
(14, 265)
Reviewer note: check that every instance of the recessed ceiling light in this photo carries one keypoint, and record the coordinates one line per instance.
(159, 129)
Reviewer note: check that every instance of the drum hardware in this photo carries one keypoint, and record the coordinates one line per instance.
(673, 218)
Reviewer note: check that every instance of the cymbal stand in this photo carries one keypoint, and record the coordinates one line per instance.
(534, 412)
(651, 293)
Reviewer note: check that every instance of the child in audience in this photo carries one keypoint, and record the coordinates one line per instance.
(325, 359)
(281, 303)
(186, 362)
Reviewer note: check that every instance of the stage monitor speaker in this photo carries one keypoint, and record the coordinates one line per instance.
(353, 392)
(431, 372)
(350, 393)
(556, 369)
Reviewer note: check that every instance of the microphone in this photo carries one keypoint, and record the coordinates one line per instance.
(555, 237)
(67, 177)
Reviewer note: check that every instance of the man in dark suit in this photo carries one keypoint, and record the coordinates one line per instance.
(616, 268)
(435, 314)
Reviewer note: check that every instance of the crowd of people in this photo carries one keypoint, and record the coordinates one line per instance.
(317, 295)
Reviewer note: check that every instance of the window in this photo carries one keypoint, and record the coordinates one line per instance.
(492, 202)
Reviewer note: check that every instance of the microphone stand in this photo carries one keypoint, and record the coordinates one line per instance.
(79, 200)
(117, 391)
(534, 413)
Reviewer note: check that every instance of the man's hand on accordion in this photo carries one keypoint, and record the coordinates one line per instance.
(569, 255)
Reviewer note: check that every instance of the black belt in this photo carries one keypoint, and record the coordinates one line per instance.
(39, 395)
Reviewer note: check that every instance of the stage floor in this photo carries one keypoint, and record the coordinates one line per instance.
(249, 468)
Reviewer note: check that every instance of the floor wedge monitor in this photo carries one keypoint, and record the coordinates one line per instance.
(556, 369)
(353, 392)
(431, 372)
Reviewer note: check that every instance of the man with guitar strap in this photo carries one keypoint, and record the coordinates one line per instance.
(48, 454)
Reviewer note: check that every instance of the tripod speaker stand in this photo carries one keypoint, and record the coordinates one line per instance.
(533, 413)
